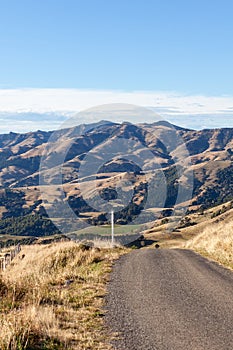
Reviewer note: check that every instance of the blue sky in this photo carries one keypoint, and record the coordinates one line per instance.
(162, 46)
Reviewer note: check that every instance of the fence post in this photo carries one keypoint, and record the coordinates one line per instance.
(8, 256)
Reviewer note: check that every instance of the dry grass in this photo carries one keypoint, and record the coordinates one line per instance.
(105, 243)
(53, 297)
(216, 242)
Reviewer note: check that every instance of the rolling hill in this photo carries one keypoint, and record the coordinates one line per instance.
(143, 149)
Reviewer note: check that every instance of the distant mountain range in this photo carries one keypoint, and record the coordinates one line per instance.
(156, 145)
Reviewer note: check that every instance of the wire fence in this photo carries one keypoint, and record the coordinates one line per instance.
(7, 256)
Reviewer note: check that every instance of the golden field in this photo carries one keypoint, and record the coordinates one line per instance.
(52, 297)
(216, 242)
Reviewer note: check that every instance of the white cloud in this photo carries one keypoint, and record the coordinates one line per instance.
(24, 122)
(194, 111)
(50, 100)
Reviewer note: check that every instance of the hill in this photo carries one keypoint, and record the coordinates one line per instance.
(211, 163)
(215, 242)
(51, 297)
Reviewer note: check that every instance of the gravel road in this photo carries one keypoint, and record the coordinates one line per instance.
(170, 300)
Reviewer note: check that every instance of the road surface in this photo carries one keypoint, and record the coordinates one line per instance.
(170, 299)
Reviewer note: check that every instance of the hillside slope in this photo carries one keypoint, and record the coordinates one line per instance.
(216, 242)
(211, 162)
(51, 297)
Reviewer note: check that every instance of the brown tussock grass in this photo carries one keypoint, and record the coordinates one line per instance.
(53, 297)
(216, 242)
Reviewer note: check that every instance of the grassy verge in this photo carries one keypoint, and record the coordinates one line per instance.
(215, 242)
(51, 297)
(106, 229)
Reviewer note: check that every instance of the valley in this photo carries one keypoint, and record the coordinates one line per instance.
(23, 208)
(76, 284)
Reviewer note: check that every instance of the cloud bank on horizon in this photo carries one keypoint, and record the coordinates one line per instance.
(23, 110)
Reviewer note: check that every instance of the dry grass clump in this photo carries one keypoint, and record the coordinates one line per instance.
(216, 241)
(105, 243)
(51, 297)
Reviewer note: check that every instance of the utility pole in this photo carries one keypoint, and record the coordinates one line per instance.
(112, 225)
